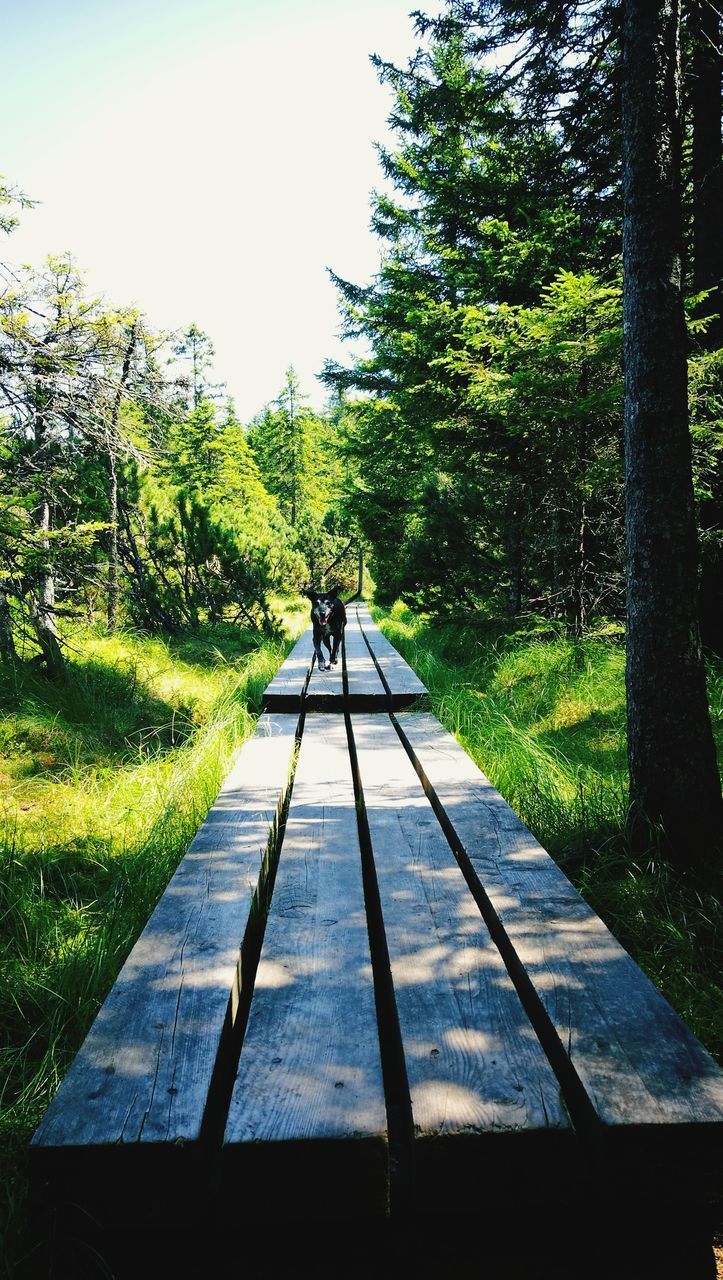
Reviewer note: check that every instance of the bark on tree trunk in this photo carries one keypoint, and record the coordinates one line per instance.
(707, 101)
(42, 606)
(8, 651)
(113, 591)
(673, 776)
(42, 609)
(556, 554)
(514, 564)
(513, 536)
(579, 577)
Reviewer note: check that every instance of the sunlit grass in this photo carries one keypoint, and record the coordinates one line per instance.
(543, 717)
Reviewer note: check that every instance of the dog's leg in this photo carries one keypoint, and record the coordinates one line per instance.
(335, 650)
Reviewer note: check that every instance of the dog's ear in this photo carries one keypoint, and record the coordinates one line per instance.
(333, 591)
(311, 594)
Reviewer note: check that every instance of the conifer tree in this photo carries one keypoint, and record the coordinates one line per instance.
(674, 780)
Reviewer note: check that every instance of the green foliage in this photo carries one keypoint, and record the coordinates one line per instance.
(194, 352)
(187, 560)
(107, 480)
(11, 196)
(485, 454)
(300, 461)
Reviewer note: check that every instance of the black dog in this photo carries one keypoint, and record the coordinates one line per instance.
(329, 618)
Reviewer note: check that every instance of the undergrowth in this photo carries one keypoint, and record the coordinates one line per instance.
(103, 783)
(543, 715)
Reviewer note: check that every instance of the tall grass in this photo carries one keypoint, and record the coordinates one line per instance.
(544, 716)
(105, 783)
(541, 714)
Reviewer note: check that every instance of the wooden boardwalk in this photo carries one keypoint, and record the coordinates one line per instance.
(372, 675)
(430, 1021)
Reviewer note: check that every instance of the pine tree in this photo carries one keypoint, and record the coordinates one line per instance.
(674, 780)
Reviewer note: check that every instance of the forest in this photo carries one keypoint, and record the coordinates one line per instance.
(527, 456)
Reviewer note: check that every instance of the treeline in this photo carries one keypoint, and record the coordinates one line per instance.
(488, 435)
(130, 491)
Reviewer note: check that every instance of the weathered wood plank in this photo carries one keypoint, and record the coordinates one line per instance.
(306, 1132)
(485, 1102)
(287, 688)
(142, 1075)
(652, 1084)
(404, 684)
(325, 690)
(365, 689)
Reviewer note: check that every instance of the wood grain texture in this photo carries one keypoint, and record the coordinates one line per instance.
(651, 1082)
(306, 1132)
(142, 1075)
(325, 690)
(475, 1068)
(286, 690)
(365, 689)
(404, 683)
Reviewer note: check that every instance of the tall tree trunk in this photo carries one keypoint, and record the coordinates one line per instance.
(579, 574)
(707, 37)
(707, 161)
(513, 533)
(42, 606)
(673, 776)
(42, 609)
(556, 553)
(514, 562)
(294, 460)
(113, 481)
(8, 651)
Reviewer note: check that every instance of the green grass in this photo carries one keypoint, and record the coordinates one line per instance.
(104, 781)
(543, 716)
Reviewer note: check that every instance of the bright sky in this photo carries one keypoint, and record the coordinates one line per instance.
(205, 160)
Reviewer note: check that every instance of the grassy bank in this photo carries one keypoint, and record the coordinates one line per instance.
(544, 717)
(103, 782)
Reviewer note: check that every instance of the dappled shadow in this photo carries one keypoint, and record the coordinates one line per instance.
(145, 1068)
(475, 1068)
(652, 1086)
(595, 741)
(103, 715)
(213, 647)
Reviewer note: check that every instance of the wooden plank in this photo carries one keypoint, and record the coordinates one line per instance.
(306, 1132)
(325, 691)
(403, 682)
(487, 1116)
(287, 688)
(652, 1084)
(142, 1076)
(365, 689)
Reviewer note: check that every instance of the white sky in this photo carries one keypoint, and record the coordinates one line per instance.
(205, 161)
